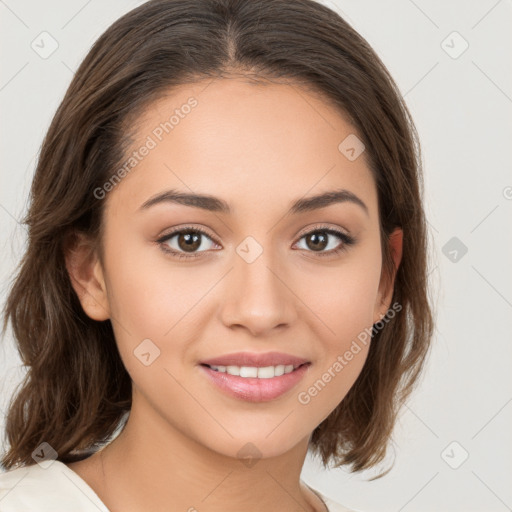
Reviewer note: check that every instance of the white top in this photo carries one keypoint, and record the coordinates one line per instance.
(57, 488)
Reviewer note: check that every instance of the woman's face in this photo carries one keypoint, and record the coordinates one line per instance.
(263, 277)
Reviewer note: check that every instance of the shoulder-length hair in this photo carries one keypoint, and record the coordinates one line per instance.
(76, 391)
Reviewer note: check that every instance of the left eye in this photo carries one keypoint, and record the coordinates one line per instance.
(319, 240)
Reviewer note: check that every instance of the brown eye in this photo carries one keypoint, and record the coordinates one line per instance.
(186, 242)
(319, 240)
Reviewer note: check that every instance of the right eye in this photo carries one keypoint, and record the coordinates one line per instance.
(186, 244)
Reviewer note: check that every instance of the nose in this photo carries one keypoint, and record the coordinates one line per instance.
(258, 296)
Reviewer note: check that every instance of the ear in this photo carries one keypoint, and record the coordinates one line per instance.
(387, 282)
(86, 275)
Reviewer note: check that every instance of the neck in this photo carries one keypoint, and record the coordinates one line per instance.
(151, 465)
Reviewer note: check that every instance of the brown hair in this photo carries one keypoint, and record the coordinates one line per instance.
(77, 392)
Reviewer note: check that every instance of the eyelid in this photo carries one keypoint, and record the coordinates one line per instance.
(188, 227)
(346, 239)
(321, 227)
(200, 229)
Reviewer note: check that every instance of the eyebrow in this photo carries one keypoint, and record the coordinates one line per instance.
(215, 204)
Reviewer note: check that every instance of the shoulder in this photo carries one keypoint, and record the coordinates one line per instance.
(54, 488)
(332, 505)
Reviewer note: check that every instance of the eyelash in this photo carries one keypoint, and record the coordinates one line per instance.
(347, 241)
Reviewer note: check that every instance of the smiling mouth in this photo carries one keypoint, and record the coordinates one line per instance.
(255, 383)
(259, 372)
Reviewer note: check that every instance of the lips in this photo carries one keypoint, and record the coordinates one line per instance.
(255, 360)
(289, 371)
(255, 389)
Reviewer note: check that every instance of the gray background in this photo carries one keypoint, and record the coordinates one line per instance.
(462, 103)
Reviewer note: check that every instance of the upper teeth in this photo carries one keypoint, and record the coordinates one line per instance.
(266, 372)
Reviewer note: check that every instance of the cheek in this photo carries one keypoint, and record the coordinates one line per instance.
(343, 309)
(152, 297)
(147, 293)
(344, 297)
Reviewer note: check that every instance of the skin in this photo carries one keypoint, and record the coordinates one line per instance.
(258, 147)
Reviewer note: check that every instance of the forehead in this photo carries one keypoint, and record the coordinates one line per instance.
(246, 142)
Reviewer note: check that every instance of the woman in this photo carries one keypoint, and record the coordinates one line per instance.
(226, 266)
